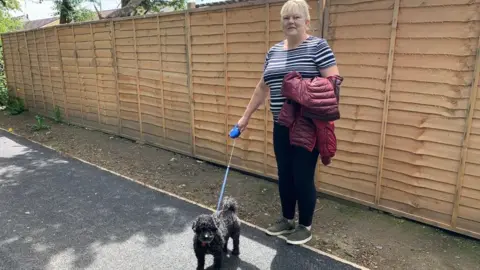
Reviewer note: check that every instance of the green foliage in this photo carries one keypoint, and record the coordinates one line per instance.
(40, 124)
(4, 96)
(3, 84)
(15, 106)
(83, 15)
(57, 114)
(7, 22)
(156, 6)
(73, 11)
(11, 104)
(10, 4)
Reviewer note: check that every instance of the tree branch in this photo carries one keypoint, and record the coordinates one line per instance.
(126, 10)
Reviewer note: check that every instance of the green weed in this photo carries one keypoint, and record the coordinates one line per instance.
(57, 114)
(40, 124)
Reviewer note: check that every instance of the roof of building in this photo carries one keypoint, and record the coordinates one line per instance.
(28, 25)
(105, 13)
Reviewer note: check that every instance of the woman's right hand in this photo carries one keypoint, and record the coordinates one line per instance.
(242, 123)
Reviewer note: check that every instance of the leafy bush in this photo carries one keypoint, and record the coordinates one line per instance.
(11, 104)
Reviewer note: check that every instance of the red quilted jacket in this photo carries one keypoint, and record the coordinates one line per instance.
(310, 111)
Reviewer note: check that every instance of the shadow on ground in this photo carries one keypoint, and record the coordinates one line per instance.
(60, 213)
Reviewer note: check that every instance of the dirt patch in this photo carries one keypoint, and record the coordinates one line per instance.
(353, 232)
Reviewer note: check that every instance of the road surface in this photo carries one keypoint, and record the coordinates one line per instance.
(61, 213)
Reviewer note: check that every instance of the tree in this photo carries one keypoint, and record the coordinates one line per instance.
(7, 21)
(142, 7)
(72, 11)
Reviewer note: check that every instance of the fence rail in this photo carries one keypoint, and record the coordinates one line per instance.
(408, 140)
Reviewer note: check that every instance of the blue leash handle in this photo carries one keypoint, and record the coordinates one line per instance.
(234, 133)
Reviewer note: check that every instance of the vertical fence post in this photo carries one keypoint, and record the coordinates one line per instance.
(160, 56)
(466, 135)
(320, 17)
(21, 71)
(188, 37)
(39, 68)
(325, 18)
(115, 74)
(49, 69)
(225, 75)
(266, 102)
(60, 65)
(96, 73)
(386, 101)
(138, 80)
(30, 67)
(78, 74)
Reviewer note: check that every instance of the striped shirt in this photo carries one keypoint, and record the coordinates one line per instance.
(311, 55)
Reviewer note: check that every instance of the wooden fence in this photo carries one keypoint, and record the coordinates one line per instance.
(409, 137)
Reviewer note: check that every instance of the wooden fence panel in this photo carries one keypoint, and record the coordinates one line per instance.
(56, 68)
(85, 64)
(46, 60)
(428, 110)
(148, 77)
(208, 83)
(175, 73)
(410, 125)
(35, 75)
(70, 74)
(359, 35)
(245, 52)
(102, 92)
(22, 69)
(127, 59)
(466, 212)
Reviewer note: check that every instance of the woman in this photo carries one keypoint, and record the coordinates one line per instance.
(310, 56)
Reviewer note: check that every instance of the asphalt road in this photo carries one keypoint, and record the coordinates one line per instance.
(61, 213)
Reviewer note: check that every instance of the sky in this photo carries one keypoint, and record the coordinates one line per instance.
(44, 10)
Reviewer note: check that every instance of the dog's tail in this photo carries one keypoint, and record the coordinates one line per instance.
(230, 204)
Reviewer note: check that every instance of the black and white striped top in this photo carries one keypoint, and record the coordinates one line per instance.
(310, 56)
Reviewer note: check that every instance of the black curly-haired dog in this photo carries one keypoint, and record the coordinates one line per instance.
(212, 233)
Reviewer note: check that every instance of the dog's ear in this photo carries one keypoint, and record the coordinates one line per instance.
(194, 225)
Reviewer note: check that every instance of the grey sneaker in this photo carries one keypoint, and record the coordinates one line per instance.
(301, 236)
(281, 226)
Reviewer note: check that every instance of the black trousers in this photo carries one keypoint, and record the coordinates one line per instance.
(296, 176)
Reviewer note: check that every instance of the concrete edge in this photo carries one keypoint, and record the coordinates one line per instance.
(184, 199)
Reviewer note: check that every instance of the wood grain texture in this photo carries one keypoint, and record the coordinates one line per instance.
(386, 100)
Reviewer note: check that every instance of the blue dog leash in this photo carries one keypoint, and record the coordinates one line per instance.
(234, 133)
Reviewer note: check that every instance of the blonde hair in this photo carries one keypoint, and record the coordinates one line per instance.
(296, 6)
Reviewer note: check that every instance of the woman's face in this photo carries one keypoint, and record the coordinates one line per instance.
(294, 24)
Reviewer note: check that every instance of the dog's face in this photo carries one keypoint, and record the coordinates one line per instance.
(205, 228)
